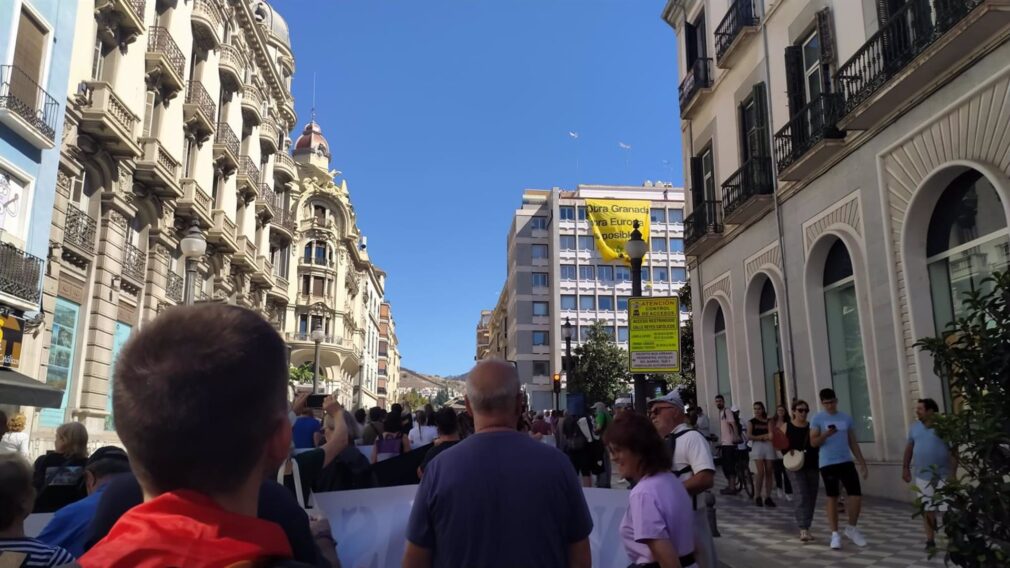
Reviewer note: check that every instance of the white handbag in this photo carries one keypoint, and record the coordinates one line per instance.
(793, 460)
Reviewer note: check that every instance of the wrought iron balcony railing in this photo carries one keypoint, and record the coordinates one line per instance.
(741, 14)
(133, 263)
(174, 286)
(160, 41)
(698, 77)
(753, 178)
(225, 136)
(247, 169)
(138, 7)
(80, 229)
(21, 95)
(706, 219)
(197, 95)
(815, 122)
(20, 273)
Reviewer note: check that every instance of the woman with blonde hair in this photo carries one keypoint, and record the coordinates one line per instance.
(15, 439)
(59, 474)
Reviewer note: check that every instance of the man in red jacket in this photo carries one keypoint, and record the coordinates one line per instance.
(200, 404)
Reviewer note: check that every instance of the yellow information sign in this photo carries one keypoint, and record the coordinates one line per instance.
(654, 334)
(612, 222)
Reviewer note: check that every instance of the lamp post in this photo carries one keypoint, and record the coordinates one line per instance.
(317, 337)
(193, 245)
(566, 332)
(636, 249)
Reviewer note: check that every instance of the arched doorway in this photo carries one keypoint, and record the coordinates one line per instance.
(771, 350)
(722, 357)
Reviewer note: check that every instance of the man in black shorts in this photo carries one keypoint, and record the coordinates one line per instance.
(832, 431)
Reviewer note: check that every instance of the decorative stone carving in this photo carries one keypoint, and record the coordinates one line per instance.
(118, 219)
(846, 212)
(721, 284)
(770, 255)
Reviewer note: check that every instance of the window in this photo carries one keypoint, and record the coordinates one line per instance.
(695, 44)
(722, 358)
(677, 216)
(585, 242)
(539, 309)
(319, 212)
(582, 213)
(606, 303)
(568, 302)
(622, 334)
(768, 322)
(62, 347)
(678, 274)
(567, 242)
(677, 245)
(645, 274)
(657, 215)
(660, 274)
(657, 244)
(150, 109)
(812, 65)
(622, 303)
(845, 343)
(541, 338)
(587, 303)
(539, 279)
(605, 273)
(539, 251)
(708, 175)
(538, 223)
(567, 213)
(568, 272)
(587, 273)
(622, 273)
(29, 55)
(584, 332)
(541, 369)
(97, 60)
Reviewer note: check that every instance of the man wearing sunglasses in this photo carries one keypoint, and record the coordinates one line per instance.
(832, 431)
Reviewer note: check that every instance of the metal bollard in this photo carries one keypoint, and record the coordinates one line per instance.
(710, 507)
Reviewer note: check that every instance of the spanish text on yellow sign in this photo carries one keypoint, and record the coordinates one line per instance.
(654, 334)
(611, 220)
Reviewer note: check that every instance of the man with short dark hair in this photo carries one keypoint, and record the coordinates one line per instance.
(475, 502)
(374, 429)
(932, 461)
(833, 432)
(729, 437)
(447, 424)
(200, 404)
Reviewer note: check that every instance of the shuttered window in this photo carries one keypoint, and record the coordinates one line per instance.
(29, 53)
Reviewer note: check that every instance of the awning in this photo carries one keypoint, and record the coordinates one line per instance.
(19, 389)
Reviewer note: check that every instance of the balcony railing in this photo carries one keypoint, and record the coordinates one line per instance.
(174, 286)
(247, 169)
(906, 34)
(138, 7)
(231, 56)
(197, 95)
(813, 123)
(133, 263)
(698, 77)
(282, 159)
(752, 179)
(20, 273)
(209, 10)
(225, 136)
(284, 219)
(741, 14)
(160, 41)
(706, 219)
(269, 198)
(316, 261)
(80, 229)
(22, 96)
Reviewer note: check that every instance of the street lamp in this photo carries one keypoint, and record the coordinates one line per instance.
(317, 337)
(566, 331)
(636, 249)
(193, 245)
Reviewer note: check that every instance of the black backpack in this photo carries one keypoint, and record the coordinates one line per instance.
(671, 442)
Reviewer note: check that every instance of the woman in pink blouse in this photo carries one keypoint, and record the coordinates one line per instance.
(657, 530)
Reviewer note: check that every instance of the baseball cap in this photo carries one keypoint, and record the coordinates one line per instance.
(600, 406)
(734, 409)
(672, 397)
(108, 453)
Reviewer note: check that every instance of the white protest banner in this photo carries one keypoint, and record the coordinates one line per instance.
(370, 525)
(35, 522)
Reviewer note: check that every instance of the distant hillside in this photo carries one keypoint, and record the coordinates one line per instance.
(410, 379)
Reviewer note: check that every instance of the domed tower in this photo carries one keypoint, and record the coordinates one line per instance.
(311, 147)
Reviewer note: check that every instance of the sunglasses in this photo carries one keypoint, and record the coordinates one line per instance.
(659, 410)
(803, 410)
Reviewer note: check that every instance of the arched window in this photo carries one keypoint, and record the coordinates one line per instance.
(845, 342)
(966, 242)
(771, 353)
(722, 357)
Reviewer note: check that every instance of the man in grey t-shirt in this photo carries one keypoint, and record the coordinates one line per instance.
(476, 500)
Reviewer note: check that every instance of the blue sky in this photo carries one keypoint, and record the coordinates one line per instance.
(440, 112)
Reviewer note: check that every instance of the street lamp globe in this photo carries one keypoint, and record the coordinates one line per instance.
(635, 247)
(317, 335)
(566, 329)
(193, 244)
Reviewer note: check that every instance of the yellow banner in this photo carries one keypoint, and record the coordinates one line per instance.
(611, 220)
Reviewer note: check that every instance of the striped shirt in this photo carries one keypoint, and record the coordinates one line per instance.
(36, 553)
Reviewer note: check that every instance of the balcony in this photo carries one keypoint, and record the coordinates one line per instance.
(20, 277)
(313, 261)
(697, 82)
(173, 287)
(810, 138)
(245, 254)
(106, 118)
(222, 232)
(226, 146)
(26, 108)
(164, 59)
(268, 136)
(195, 203)
(923, 44)
(266, 202)
(284, 221)
(157, 169)
(232, 67)
(288, 110)
(284, 167)
(264, 273)
(79, 232)
(133, 264)
(128, 14)
(199, 109)
(703, 228)
(748, 192)
(252, 104)
(248, 177)
(739, 23)
(207, 20)
(278, 292)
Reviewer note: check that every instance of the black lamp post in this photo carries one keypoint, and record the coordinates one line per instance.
(566, 330)
(636, 249)
(193, 245)
(317, 336)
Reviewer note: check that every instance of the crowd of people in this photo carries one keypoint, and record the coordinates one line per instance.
(201, 483)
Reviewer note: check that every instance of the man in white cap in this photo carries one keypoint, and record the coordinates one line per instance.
(692, 463)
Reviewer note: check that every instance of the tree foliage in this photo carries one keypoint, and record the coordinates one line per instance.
(300, 375)
(974, 356)
(413, 400)
(601, 371)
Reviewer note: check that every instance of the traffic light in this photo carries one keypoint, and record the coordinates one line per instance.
(557, 382)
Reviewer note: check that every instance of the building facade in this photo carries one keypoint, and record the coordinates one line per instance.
(389, 358)
(831, 228)
(556, 274)
(483, 335)
(34, 69)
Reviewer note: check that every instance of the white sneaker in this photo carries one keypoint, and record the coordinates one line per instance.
(789, 497)
(836, 541)
(853, 534)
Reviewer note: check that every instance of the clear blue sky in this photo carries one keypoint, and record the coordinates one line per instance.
(440, 112)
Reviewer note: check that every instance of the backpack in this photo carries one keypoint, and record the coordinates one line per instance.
(671, 442)
(576, 440)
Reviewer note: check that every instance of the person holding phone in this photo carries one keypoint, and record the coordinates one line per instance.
(832, 431)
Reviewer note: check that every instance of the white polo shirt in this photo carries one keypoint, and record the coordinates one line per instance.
(692, 450)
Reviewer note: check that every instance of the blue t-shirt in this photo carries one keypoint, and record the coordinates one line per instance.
(531, 504)
(836, 448)
(928, 450)
(302, 431)
(69, 526)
